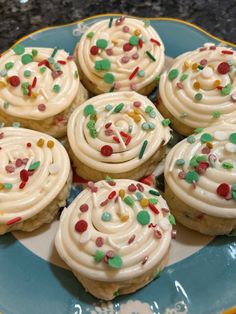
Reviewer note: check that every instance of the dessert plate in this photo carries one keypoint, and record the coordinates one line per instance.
(201, 275)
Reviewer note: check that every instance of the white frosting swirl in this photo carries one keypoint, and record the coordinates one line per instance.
(136, 244)
(52, 167)
(59, 72)
(122, 63)
(178, 94)
(221, 169)
(124, 157)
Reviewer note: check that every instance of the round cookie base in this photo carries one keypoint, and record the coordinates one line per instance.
(195, 219)
(55, 126)
(44, 216)
(109, 290)
(143, 170)
(176, 124)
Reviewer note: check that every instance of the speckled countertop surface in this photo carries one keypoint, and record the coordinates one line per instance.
(20, 17)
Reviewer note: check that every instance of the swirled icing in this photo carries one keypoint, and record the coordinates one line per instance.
(47, 169)
(139, 247)
(115, 129)
(207, 165)
(41, 75)
(146, 55)
(199, 95)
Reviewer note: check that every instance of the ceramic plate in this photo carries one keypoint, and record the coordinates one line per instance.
(201, 274)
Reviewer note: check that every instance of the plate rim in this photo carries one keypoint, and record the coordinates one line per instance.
(171, 19)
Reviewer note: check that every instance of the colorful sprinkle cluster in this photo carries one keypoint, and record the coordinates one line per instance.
(198, 164)
(135, 42)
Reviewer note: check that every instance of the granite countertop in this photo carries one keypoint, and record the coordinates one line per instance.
(20, 17)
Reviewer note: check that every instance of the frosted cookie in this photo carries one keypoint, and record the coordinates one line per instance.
(39, 87)
(120, 54)
(115, 237)
(200, 174)
(117, 134)
(199, 89)
(34, 179)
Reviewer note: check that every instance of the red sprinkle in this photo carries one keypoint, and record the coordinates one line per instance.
(155, 41)
(56, 74)
(19, 162)
(94, 50)
(203, 49)
(116, 139)
(202, 167)
(24, 175)
(223, 190)
(106, 150)
(165, 211)
(28, 144)
(157, 234)
(140, 187)
(83, 208)
(223, 68)
(112, 195)
(132, 188)
(140, 43)
(61, 62)
(10, 168)
(44, 62)
(34, 82)
(13, 221)
(181, 175)
(127, 47)
(104, 203)
(227, 52)
(109, 51)
(99, 241)
(151, 225)
(124, 134)
(29, 90)
(129, 138)
(145, 260)
(110, 254)
(14, 81)
(81, 226)
(108, 125)
(41, 107)
(22, 185)
(131, 239)
(133, 73)
(153, 208)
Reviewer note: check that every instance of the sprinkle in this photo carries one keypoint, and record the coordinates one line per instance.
(89, 110)
(42, 69)
(14, 80)
(140, 43)
(115, 262)
(34, 165)
(196, 85)
(7, 186)
(153, 200)
(194, 66)
(118, 108)
(198, 96)
(131, 239)
(183, 77)
(172, 219)
(40, 142)
(13, 221)
(134, 40)
(109, 51)
(144, 202)
(122, 193)
(180, 162)
(198, 130)
(3, 72)
(26, 58)
(173, 74)
(41, 107)
(143, 148)
(94, 50)
(232, 138)
(109, 78)
(50, 144)
(206, 137)
(56, 88)
(112, 195)
(128, 140)
(148, 53)
(144, 261)
(125, 29)
(129, 201)
(9, 65)
(155, 41)
(99, 255)
(141, 73)
(223, 190)
(133, 73)
(19, 49)
(127, 47)
(106, 216)
(157, 234)
(81, 226)
(223, 68)
(179, 85)
(191, 177)
(143, 217)
(34, 53)
(153, 208)
(226, 90)
(34, 82)
(54, 52)
(103, 64)
(227, 165)
(140, 187)
(132, 188)
(227, 52)
(102, 43)
(165, 122)
(146, 23)
(216, 114)
(90, 35)
(99, 242)
(106, 150)
(145, 126)
(27, 73)
(104, 203)
(153, 192)
(137, 32)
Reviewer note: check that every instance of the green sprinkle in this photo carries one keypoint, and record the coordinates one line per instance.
(148, 109)
(145, 126)
(91, 124)
(108, 179)
(8, 186)
(118, 108)
(193, 162)
(57, 66)
(19, 49)
(99, 255)
(134, 40)
(141, 73)
(90, 35)
(226, 90)
(152, 114)
(42, 69)
(191, 139)
(198, 96)
(206, 137)
(172, 219)
(115, 262)
(142, 150)
(139, 196)
(146, 23)
(153, 192)
(216, 114)
(102, 43)
(110, 22)
(234, 195)
(89, 109)
(191, 177)
(151, 125)
(56, 88)
(27, 58)
(6, 104)
(108, 107)
(27, 73)
(9, 65)
(153, 200)
(173, 74)
(129, 201)
(143, 217)
(25, 91)
(165, 122)
(200, 67)
(25, 85)
(34, 165)
(198, 130)
(54, 52)
(180, 162)
(183, 77)
(34, 53)
(201, 158)
(76, 74)
(234, 187)
(227, 165)
(104, 64)
(16, 124)
(150, 56)
(109, 78)
(232, 138)
(106, 216)
(93, 132)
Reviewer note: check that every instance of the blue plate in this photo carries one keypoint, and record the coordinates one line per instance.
(202, 283)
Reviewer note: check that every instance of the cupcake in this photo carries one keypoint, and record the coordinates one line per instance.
(39, 87)
(34, 179)
(200, 174)
(115, 237)
(118, 134)
(120, 54)
(200, 88)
